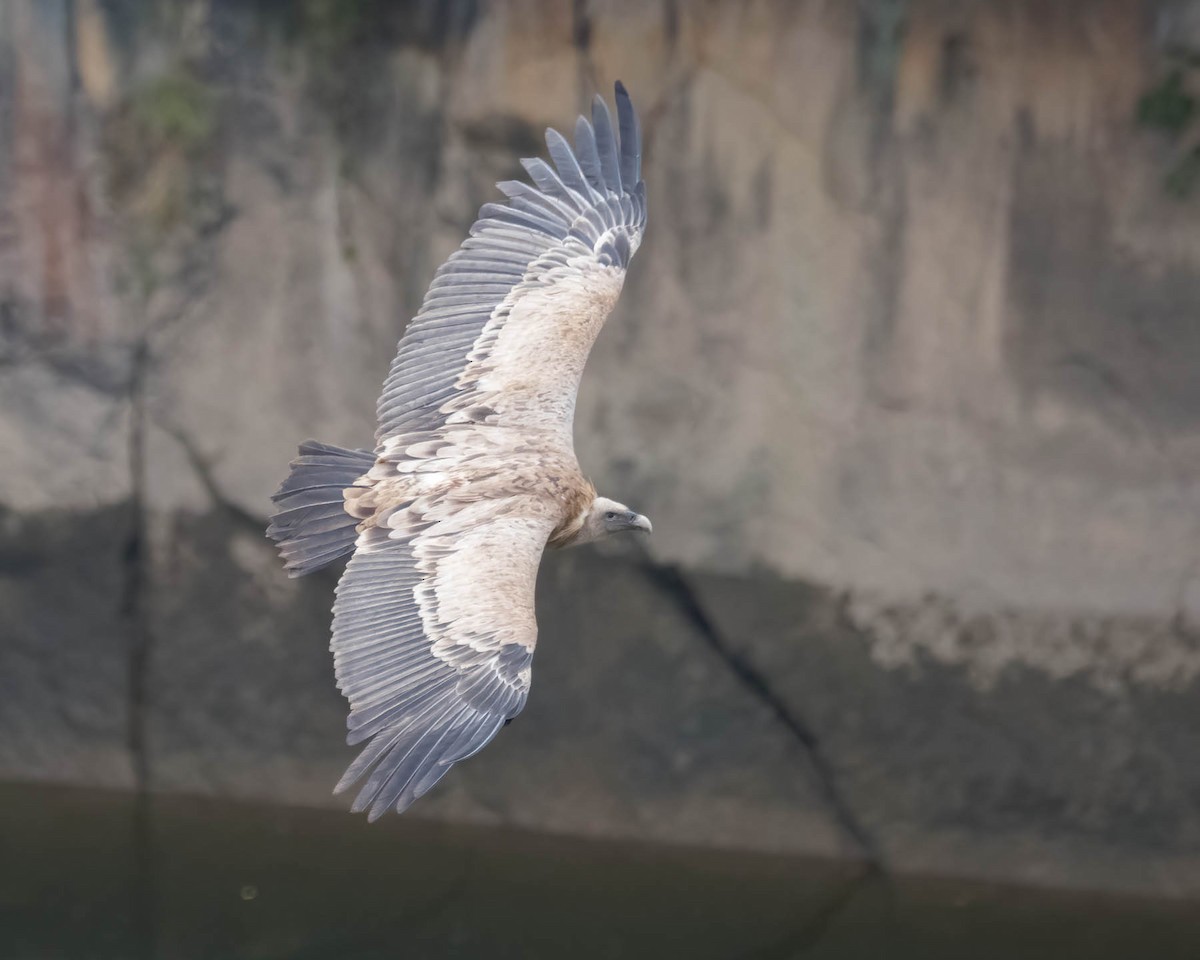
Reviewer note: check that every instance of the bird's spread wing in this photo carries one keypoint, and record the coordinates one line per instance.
(434, 628)
(433, 634)
(508, 322)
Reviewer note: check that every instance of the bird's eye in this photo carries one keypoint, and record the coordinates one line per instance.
(610, 516)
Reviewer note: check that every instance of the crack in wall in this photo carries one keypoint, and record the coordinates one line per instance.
(672, 582)
(204, 474)
(133, 601)
(189, 281)
(140, 647)
(133, 607)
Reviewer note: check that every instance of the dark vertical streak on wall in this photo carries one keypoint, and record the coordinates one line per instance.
(581, 25)
(140, 644)
(581, 39)
(881, 32)
(7, 125)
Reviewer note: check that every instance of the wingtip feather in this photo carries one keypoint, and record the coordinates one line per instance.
(631, 139)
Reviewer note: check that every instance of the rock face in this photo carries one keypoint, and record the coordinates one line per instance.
(904, 373)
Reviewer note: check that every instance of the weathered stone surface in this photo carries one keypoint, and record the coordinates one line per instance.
(911, 326)
(879, 251)
(1072, 779)
(66, 484)
(65, 646)
(240, 695)
(65, 443)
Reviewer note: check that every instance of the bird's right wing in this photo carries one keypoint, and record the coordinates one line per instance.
(510, 318)
(433, 636)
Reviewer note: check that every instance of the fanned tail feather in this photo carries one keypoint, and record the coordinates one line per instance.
(311, 525)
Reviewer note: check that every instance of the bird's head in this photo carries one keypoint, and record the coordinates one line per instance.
(607, 517)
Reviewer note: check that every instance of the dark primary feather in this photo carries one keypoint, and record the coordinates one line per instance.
(631, 139)
(595, 193)
(568, 167)
(420, 713)
(606, 145)
(589, 159)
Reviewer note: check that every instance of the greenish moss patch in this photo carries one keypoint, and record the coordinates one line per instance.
(1168, 106)
(1171, 108)
(176, 109)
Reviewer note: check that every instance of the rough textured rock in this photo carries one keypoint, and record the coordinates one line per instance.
(65, 643)
(903, 374)
(1022, 774)
(240, 698)
(882, 253)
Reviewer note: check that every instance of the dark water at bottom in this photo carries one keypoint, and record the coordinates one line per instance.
(95, 875)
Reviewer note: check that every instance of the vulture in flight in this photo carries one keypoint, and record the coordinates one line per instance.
(473, 473)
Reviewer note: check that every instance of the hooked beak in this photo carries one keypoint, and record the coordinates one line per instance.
(638, 522)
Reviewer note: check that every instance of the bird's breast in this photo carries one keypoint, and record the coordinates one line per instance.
(472, 465)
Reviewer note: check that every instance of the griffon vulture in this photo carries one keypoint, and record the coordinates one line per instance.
(473, 472)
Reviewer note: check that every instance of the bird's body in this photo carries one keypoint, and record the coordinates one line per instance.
(463, 465)
(474, 472)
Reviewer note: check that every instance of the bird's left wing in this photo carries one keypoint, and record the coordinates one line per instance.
(507, 324)
(433, 635)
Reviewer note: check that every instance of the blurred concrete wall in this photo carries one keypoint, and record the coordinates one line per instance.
(905, 374)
